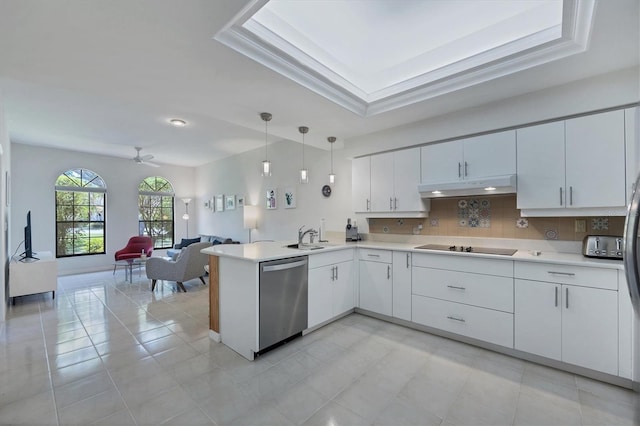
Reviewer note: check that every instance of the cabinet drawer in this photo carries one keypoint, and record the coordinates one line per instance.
(565, 274)
(463, 263)
(486, 291)
(375, 255)
(330, 258)
(478, 323)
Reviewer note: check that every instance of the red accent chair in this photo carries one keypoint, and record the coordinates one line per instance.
(134, 248)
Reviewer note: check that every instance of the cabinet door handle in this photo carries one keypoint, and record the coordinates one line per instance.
(333, 273)
(459, 169)
(556, 296)
(571, 195)
(336, 272)
(390, 203)
(408, 255)
(368, 204)
(567, 297)
(456, 319)
(560, 195)
(395, 204)
(388, 272)
(567, 274)
(457, 287)
(466, 168)
(373, 255)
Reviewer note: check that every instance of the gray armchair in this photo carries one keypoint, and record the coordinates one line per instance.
(188, 265)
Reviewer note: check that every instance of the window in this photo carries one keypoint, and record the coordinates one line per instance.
(80, 213)
(155, 211)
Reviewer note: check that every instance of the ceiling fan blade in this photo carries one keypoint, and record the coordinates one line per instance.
(146, 157)
(150, 164)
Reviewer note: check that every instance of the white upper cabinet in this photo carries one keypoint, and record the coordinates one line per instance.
(632, 144)
(541, 166)
(470, 158)
(388, 183)
(573, 164)
(490, 155)
(382, 182)
(441, 162)
(595, 160)
(361, 184)
(406, 177)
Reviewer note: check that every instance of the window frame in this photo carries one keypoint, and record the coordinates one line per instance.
(86, 187)
(163, 195)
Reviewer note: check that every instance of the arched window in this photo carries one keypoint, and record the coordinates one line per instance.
(80, 213)
(155, 211)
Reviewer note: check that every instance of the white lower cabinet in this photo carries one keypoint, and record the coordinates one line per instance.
(401, 285)
(376, 281)
(471, 321)
(475, 304)
(590, 328)
(576, 324)
(331, 286)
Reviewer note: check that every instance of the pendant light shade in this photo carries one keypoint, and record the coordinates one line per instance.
(266, 164)
(332, 177)
(304, 173)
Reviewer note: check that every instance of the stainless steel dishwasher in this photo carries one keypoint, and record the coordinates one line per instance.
(283, 299)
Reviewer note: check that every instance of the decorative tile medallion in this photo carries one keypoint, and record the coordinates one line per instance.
(551, 234)
(474, 213)
(434, 221)
(600, 223)
(522, 223)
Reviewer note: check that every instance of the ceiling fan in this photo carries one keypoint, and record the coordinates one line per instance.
(144, 159)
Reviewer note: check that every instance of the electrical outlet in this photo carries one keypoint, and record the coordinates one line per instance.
(581, 225)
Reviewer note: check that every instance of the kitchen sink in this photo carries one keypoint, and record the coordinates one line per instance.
(304, 246)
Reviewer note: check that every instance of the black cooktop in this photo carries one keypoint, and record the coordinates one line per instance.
(469, 249)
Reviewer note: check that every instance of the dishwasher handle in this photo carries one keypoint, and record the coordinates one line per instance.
(284, 266)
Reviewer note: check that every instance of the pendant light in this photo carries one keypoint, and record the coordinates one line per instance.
(266, 164)
(304, 173)
(332, 177)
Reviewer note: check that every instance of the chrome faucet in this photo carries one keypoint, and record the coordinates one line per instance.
(312, 233)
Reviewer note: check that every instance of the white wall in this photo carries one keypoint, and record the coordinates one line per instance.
(5, 167)
(35, 170)
(603, 91)
(241, 175)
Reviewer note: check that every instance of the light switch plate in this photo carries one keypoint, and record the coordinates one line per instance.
(581, 225)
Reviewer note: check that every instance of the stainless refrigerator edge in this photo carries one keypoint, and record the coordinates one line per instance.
(631, 237)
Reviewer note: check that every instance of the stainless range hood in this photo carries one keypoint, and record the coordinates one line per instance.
(459, 188)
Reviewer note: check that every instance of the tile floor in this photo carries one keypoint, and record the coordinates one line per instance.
(109, 352)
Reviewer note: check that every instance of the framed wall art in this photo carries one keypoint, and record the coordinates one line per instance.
(219, 203)
(271, 199)
(290, 198)
(230, 202)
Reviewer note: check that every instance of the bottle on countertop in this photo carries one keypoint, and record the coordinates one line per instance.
(322, 237)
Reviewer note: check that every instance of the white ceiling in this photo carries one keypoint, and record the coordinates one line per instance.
(379, 55)
(104, 77)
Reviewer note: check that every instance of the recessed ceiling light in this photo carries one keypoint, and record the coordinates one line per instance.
(490, 188)
(436, 192)
(176, 122)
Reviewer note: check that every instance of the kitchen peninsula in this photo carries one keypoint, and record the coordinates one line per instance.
(234, 276)
(559, 309)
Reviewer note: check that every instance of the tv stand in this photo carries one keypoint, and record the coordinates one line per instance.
(28, 276)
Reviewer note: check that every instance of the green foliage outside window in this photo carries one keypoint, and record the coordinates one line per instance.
(80, 213)
(155, 211)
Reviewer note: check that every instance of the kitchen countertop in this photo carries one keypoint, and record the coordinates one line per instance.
(262, 251)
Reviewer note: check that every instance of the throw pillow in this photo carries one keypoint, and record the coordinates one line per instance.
(187, 242)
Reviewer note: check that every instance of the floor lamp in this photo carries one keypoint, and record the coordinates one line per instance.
(185, 216)
(250, 218)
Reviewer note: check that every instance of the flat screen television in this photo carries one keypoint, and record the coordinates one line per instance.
(27, 256)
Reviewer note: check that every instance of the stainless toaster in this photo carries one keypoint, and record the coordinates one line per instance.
(602, 246)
